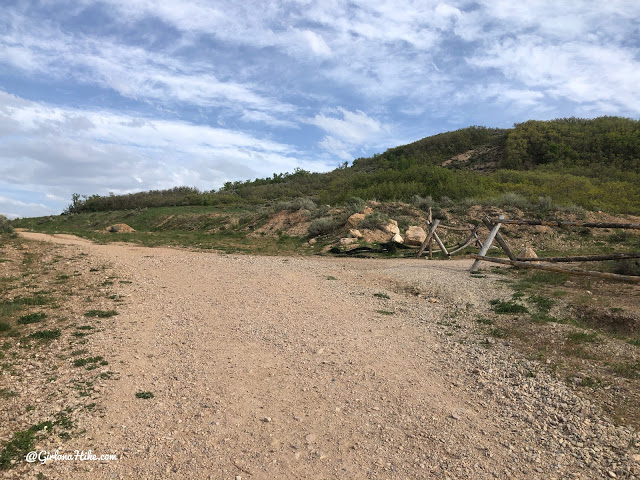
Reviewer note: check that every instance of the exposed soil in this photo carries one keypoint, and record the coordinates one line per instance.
(271, 367)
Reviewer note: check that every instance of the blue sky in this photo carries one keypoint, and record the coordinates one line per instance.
(128, 95)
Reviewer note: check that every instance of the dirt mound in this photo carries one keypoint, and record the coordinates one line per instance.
(120, 228)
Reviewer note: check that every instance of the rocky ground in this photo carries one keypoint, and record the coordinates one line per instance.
(271, 367)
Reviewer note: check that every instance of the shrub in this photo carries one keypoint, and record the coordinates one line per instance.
(422, 202)
(510, 199)
(545, 203)
(374, 220)
(620, 236)
(446, 202)
(322, 226)
(5, 225)
(300, 203)
(439, 214)
(625, 267)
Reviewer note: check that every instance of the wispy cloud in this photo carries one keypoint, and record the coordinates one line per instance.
(131, 71)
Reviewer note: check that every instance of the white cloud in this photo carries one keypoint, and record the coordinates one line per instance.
(12, 208)
(59, 151)
(349, 130)
(575, 71)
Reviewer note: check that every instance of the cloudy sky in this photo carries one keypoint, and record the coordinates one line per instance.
(100, 96)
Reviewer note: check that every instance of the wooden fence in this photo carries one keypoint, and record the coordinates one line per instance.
(535, 262)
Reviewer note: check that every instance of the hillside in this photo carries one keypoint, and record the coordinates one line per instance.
(593, 164)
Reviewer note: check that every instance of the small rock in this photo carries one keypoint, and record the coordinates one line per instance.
(612, 474)
(266, 419)
(455, 416)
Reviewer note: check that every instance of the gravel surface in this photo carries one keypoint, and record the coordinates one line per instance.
(271, 367)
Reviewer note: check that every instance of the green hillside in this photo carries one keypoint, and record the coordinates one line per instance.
(593, 164)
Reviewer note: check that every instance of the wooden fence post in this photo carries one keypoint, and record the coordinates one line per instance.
(432, 231)
(485, 247)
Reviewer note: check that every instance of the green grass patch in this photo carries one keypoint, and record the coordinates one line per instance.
(508, 307)
(81, 362)
(385, 312)
(331, 277)
(582, 337)
(484, 321)
(46, 334)
(144, 395)
(381, 295)
(499, 332)
(100, 313)
(32, 318)
(542, 304)
(22, 443)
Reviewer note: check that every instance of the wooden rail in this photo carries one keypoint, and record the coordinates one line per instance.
(632, 226)
(551, 268)
(534, 262)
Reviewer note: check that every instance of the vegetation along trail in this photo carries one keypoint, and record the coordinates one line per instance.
(238, 366)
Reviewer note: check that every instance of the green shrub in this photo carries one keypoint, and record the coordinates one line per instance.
(545, 203)
(5, 225)
(422, 202)
(322, 226)
(625, 267)
(446, 202)
(300, 203)
(620, 236)
(374, 220)
(509, 199)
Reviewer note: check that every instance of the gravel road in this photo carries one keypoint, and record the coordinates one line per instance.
(273, 367)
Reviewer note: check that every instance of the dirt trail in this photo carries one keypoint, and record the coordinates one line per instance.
(270, 367)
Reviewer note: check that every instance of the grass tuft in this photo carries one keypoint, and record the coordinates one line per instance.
(100, 313)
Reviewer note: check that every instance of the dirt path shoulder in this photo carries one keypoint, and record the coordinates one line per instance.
(270, 367)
